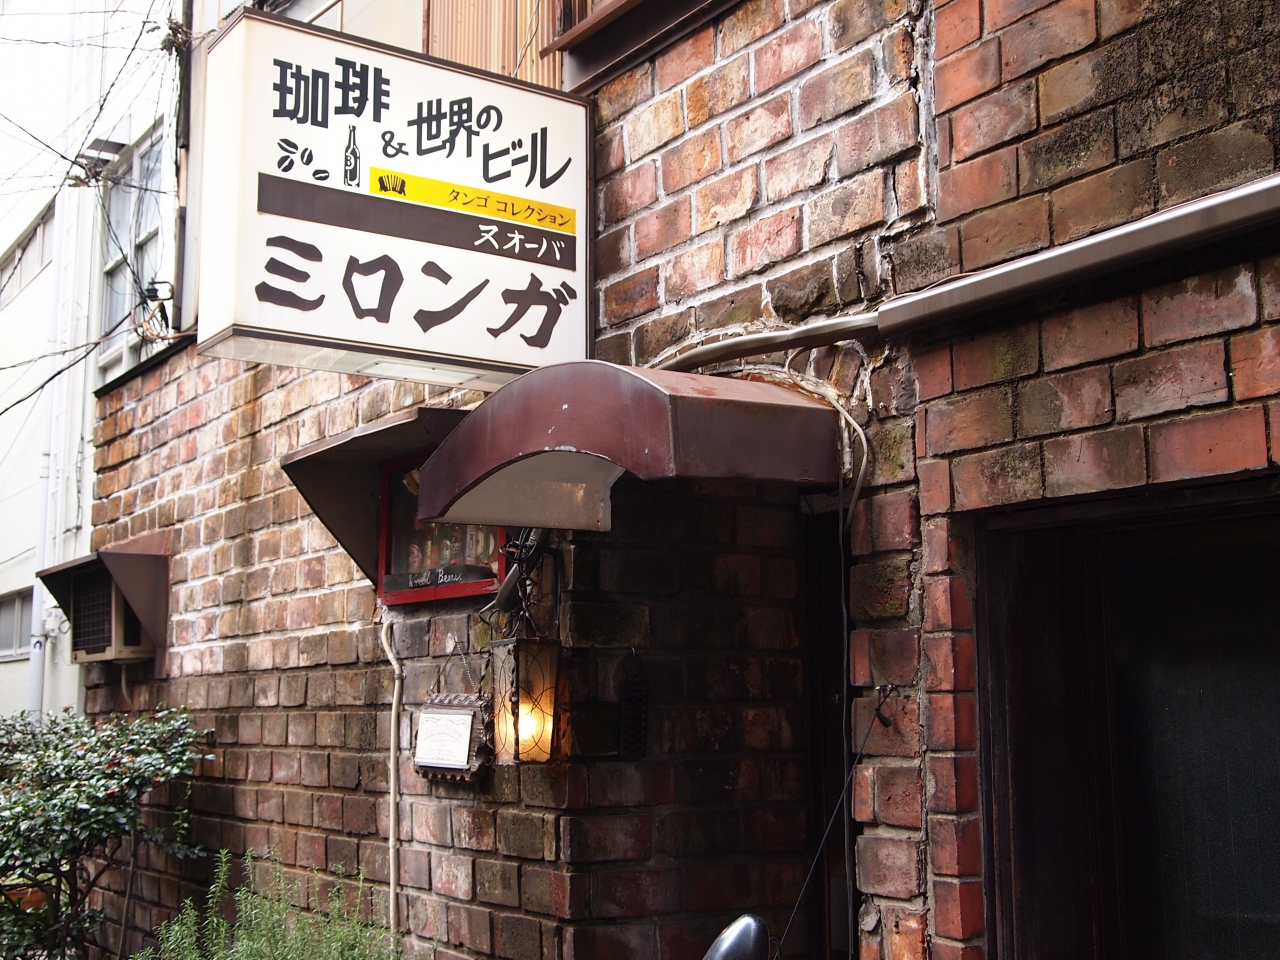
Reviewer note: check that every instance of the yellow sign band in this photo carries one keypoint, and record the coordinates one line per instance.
(473, 200)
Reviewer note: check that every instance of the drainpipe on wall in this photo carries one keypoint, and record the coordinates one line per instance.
(35, 664)
(393, 786)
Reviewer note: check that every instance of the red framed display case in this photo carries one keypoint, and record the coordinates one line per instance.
(420, 561)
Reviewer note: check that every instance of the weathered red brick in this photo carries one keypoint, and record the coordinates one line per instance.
(925, 258)
(837, 90)
(885, 656)
(630, 191)
(694, 270)
(664, 227)
(879, 590)
(852, 21)
(950, 662)
(644, 892)
(955, 846)
(957, 908)
(1255, 364)
(983, 182)
(851, 207)
(1189, 376)
(888, 867)
(797, 169)
(787, 54)
(758, 128)
(1004, 232)
(933, 371)
(1116, 16)
(1208, 303)
(592, 839)
(722, 89)
(899, 796)
(878, 135)
(968, 420)
(766, 241)
(622, 93)
(895, 521)
(901, 738)
(995, 119)
(952, 722)
(1213, 161)
(864, 800)
(1067, 401)
(691, 160)
(935, 486)
(947, 605)
(1093, 462)
(961, 77)
(682, 60)
(956, 24)
(725, 199)
(992, 357)
(1087, 334)
(749, 22)
(631, 296)
(1053, 32)
(954, 783)
(1069, 150)
(1209, 444)
(658, 123)
(1004, 475)
(1001, 13)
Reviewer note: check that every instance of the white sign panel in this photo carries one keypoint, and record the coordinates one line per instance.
(375, 212)
(444, 739)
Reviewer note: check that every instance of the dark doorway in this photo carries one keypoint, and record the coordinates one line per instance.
(1131, 698)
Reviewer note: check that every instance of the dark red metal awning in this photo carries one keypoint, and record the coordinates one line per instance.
(546, 448)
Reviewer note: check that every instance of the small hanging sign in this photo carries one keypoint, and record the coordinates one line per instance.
(444, 738)
(455, 736)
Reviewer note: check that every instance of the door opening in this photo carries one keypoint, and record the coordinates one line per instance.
(1131, 722)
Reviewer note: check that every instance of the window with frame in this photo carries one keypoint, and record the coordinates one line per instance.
(15, 625)
(420, 561)
(133, 258)
(26, 260)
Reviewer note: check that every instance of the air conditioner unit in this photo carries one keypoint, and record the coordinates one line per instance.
(117, 599)
(103, 625)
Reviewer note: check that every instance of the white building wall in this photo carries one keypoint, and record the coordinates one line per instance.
(93, 74)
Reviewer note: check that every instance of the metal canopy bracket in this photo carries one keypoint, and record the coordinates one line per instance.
(340, 476)
(546, 449)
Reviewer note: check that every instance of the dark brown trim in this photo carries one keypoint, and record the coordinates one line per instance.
(367, 213)
(180, 343)
(589, 26)
(635, 35)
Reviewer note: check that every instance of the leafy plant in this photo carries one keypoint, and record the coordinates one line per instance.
(268, 926)
(69, 812)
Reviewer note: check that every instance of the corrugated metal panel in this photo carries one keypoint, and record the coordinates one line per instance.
(491, 34)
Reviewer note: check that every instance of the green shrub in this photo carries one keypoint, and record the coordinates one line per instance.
(268, 926)
(69, 812)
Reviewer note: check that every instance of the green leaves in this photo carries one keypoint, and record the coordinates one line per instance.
(269, 927)
(70, 789)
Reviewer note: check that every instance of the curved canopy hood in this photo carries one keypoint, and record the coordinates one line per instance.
(546, 448)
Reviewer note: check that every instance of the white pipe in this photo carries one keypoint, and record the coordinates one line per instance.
(35, 663)
(393, 786)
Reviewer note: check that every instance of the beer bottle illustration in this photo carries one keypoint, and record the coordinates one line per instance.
(351, 160)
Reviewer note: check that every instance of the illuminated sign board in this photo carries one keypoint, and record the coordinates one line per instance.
(376, 212)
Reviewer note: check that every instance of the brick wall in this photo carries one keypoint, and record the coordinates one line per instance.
(1058, 119)
(779, 165)
(751, 173)
(273, 645)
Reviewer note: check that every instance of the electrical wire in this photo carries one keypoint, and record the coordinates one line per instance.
(531, 29)
(61, 370)
(882, 697)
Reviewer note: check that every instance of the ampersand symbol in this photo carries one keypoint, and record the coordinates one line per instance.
(389, 147)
